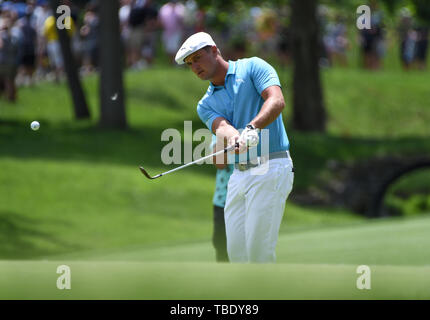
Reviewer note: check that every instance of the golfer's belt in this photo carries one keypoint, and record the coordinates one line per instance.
(242, 166)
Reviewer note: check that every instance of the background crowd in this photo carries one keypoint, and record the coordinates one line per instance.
(152, 31)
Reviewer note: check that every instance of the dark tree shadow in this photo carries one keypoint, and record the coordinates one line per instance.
(20, 238)
(166, 100)
(142, 146)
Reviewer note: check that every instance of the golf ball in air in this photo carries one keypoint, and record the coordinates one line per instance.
(35, 125)
(114, 96)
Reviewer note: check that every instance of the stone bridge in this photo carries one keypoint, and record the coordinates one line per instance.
(360, 186)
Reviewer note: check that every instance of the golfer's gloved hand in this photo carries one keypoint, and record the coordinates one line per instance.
(249, 136)
(234, 140)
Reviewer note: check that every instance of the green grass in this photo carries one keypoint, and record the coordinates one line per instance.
(312, 264)
(389, 104)
(410, 195)
(394, 241)
(109, 205)
(190, 281)
(72, 186)
(71, 193)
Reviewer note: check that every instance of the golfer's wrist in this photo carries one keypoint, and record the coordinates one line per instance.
(251, 126)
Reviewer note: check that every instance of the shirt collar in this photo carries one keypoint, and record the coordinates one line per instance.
(231, 70)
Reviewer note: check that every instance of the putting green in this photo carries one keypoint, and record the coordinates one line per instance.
(145, 280)
(314, 264)
(375, 242)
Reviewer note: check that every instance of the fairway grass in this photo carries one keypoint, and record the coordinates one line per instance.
(74, 206)
(377, 242)
(158, 280)
(314, 264)
(71, 193)
(72, 186)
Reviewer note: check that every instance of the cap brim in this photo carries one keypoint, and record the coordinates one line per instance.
(180, 58)
(183, 53)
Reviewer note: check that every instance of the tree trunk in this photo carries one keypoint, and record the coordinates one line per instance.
(78, 96)
(308, 106)
(112, 107)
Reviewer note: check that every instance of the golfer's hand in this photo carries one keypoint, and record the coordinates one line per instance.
(249, 137)
(233, 140)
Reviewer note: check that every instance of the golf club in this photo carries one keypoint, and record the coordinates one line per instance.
(227, 149)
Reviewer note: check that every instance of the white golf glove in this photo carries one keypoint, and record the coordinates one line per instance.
(249, 136)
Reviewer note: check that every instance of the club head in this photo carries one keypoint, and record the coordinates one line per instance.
(147, 175)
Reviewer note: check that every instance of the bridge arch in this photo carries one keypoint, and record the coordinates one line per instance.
(379, 196)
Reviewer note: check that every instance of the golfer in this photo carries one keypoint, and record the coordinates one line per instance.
(243, 98)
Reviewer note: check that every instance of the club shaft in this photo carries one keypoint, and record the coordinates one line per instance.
(201, 159)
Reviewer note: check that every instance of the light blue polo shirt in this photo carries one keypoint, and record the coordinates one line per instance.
(239, 100)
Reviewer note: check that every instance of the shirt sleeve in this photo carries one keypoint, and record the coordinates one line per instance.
(207, 114)
(263, 75)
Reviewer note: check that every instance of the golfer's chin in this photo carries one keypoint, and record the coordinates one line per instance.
(203, 75)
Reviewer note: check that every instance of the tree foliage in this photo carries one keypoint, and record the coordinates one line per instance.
(422, 9)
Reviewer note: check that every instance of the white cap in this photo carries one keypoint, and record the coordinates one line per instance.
(192, 44)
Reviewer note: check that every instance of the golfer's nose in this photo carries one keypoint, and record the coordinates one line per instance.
(195, 67)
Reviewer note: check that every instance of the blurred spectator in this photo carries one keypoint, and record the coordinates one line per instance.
(142, 40)
(406, 39)
(74, 10)
(76, 41)
(90, 40)
(284, 44)
(378, 24)
(421, 47)
(124, 15)
(199, 24)
(372, 40)
(8, 57)
(150, 27)
(40, 14)
(413, 41)
(136, 20)
(323, 13)
(367, 44)
(27, 48)
(266, 26)
(193, 18)
(238, 34)
(171, 17)
(336, 42)
(53, 45)
(262, 30)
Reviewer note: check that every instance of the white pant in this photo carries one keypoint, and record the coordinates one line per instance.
(254, 208)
